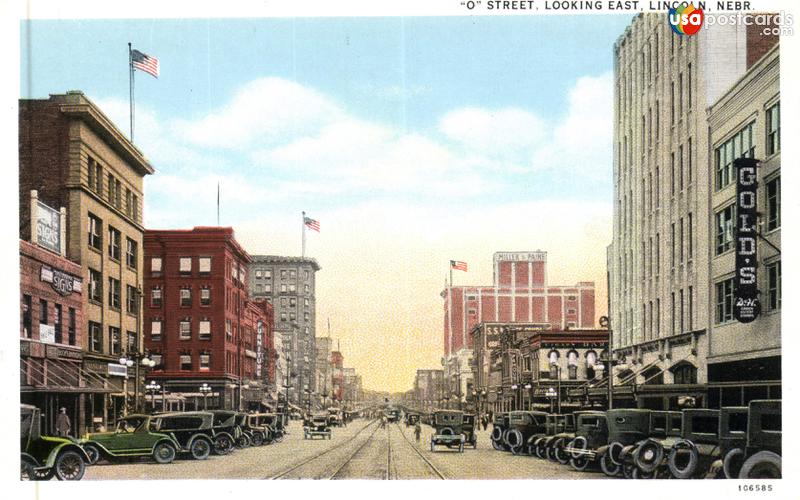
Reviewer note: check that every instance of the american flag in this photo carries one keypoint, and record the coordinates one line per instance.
(311, 223)
(458, 265)
(142, 61)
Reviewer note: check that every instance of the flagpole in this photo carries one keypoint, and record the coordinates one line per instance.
(217, 203)
(303, 222)
(130, 82)
(450, 311)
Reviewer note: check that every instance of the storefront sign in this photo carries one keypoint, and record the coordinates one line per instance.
(48, 227)
(259, 344)
(117, 370)
(746, 306)
(47, 334)
(61, 282)
(95, 367)
(24, 348)
(56, 352)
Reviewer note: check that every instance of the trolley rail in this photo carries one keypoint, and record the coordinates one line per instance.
(423, 457)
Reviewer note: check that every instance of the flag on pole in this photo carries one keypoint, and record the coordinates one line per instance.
(458, 265)
(311, 223)
(146, 63)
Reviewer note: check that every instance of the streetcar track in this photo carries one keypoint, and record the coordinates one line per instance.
(352, 455)
(423, 457)
(389, 454)
(300, 464)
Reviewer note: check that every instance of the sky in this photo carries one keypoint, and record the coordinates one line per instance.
(412, 140)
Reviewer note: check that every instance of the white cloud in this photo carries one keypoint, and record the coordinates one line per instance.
(264, 111)
(494, 132)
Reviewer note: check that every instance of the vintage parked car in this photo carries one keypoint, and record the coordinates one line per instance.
(317, 425)
(468, 429)
(764, 441)
(521, 427)
(625, 427)
(260, 426)
(278, 423)
(692, 454)
(335, 417)
(591, 432)
(226, 432)
(500, 424)
(556, 447)
(448, 429)
(557, 428)
(43, 457)
(647, 458)
(245, 434)
(132, 437)
(192, 430)
(732, 442)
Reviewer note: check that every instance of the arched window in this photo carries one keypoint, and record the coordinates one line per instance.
(572, 364)
(653, 376)
(684, 373)
(591, 360)
(552, 357)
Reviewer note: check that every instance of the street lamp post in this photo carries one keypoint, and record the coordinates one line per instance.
(153, 387)
(204, 390)
(133, 359)
(551, 394)
(514, 388)
(528, 387)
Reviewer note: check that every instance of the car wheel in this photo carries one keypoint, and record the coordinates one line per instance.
(683, 459)
(93, 452)
(560, 454)
(243, 441)
(732, 463)
(69, 466)
(541, 450)
(762, 465)
(26, 469)
(608, 467)
(497, 446)
(223, 445)
(258, 439)
(579, 463)
(200, 449)
(43, 475)
(164, 453)
(628, 470)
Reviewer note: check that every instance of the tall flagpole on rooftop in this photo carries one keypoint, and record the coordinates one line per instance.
(303, 223)
(130, 82)
(217, 203)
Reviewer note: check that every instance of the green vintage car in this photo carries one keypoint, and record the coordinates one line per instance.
(131, 438)
(44, 456)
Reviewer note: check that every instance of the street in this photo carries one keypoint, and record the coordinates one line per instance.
(361, 450)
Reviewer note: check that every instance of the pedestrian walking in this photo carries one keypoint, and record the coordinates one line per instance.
(417, 431)
(63, 425)
(485, 422)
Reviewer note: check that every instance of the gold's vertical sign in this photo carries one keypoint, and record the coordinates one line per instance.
(746, 304)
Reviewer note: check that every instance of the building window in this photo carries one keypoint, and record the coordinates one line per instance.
(292, 288)
(185, 329)
(93, 171)
(267, 288)
(283, 316)
(306, 289)
(135, 209)
(128, 202)
(673, 243)
(724, 220)
(690, 310)
(293, 302)
(114, 292)
(204, 265)
(774, 204)
(258, 273)
(95, 232)
(292, 274)
(228, 328)
(27, 316)
(774, 285)
(155, 297)
(186, 297)
(283, 274)
(292, 317)
(116, 342)
(95, 337)
(259, 288)
(155, 329)
(95, 286)
(132, 341)
(283, 288)
(205, 329)
(133, 299)
(71, 326)
(684, 373)
(267, 274)
(739, 146)
(724, 301)
(185, 265)
(155, 265)
(205, 296)
(113, 243)
(774, 129)
(690, 240)
(57, 323)
(186, 362)
(158, 360)
(131, 253)
(112, 185)
(205, 362)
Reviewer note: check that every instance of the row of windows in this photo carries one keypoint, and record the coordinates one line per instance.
(284, 288)
(95, 292)
(95, 239)
(725, 219)
(185, 329)
(114, 192)
(725, 296)
(284, 274)
(45, 319)
(185, 295)
(185, 265)
(185, 361)
(95, 333)
(742, 145)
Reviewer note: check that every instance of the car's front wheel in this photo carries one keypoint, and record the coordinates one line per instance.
(69, 466)
(258, 439)
(223, 445)
(93, 452)
(201, 449)
(164, 453)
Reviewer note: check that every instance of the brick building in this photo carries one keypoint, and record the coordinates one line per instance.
(200, 326)
(429, 391)
(337, 375)
(73, 156)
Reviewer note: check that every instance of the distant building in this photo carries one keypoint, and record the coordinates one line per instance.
(353, 390)
(429, 389)
(73, 156)
(337, 376)
(200, 326)
(324, 369)
(288, 283)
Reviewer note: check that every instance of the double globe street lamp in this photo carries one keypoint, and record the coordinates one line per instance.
(153, 387)
(135, 359)
(205, 389)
